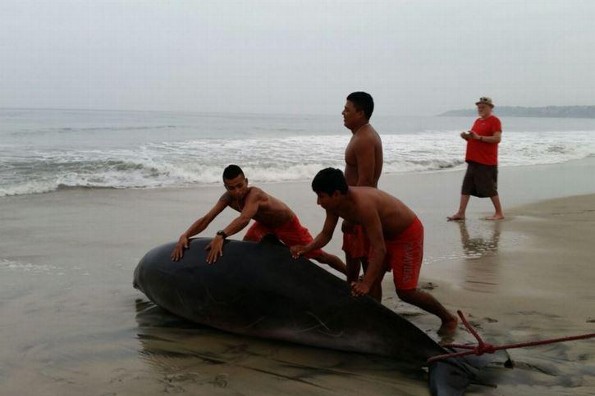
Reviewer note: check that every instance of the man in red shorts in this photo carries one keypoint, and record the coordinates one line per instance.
(270, 214)
(394, 232)
(481, 178)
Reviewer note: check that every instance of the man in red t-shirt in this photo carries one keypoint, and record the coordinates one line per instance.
(481, 179)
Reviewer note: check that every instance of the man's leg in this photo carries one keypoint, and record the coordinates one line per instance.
(332, 261)
(406, 257)
(498, 215)
(256, 232)
(428, 303)
(293, 233)
(460, 215)
(376, 289)
(353, 268)
(356, 248)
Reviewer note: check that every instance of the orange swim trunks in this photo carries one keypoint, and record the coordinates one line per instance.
(405, 254)
(355, 242)
(291, 233)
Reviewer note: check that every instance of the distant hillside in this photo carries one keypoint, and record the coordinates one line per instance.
(517, 111)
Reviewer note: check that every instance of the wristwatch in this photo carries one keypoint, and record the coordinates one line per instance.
(222, 234)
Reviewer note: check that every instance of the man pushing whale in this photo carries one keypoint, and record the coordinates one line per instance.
(270, 215)
(395, 235)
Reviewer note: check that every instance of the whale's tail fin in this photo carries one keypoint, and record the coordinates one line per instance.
(452, 376)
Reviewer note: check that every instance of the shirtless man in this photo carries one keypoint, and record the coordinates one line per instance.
(395, 234)
(270, 214)
(363, 166)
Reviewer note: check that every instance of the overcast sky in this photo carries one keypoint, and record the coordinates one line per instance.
(415, 57)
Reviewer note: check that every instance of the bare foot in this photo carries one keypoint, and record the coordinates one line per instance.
(456, 217)
(446, 340)
(494, 217)
(449, 326)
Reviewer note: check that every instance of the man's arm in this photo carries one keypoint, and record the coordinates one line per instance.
(248, 212)
(373, 228)
(365, 155)
(198, 226)
(321, 240)
(495, 138)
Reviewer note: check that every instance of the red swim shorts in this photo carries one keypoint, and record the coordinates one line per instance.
(355, 242)
(404, 255)
(291, 233)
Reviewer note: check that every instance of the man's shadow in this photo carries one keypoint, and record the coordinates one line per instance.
(481, 262)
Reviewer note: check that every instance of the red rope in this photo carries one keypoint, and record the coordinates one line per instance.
(483, 347)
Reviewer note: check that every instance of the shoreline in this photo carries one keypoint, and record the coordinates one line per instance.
(437, 174)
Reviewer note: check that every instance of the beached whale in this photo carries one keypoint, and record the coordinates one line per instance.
(258, 289)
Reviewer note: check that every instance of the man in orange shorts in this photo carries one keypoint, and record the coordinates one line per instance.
(270, 214)
(291, 233)
(394, 232)
(404, 255)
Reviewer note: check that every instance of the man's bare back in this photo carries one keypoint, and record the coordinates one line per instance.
(270, 211)
(367, 203)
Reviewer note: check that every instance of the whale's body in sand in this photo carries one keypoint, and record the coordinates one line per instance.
(258, 289)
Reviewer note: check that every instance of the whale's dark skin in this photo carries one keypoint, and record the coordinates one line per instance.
(258, 289)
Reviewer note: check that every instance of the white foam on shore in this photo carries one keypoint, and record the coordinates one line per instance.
(200, 162)
(17, 266)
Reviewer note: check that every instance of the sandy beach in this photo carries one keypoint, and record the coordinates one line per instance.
(72, 324)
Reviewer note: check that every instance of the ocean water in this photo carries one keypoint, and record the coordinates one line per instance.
(45, 150)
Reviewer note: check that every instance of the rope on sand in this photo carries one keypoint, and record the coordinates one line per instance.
(483, 347)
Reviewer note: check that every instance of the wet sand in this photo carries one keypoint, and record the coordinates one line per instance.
(72, 324)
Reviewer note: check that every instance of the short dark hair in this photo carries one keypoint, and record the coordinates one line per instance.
(330, 180)
(232, 171)
(362, 101)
